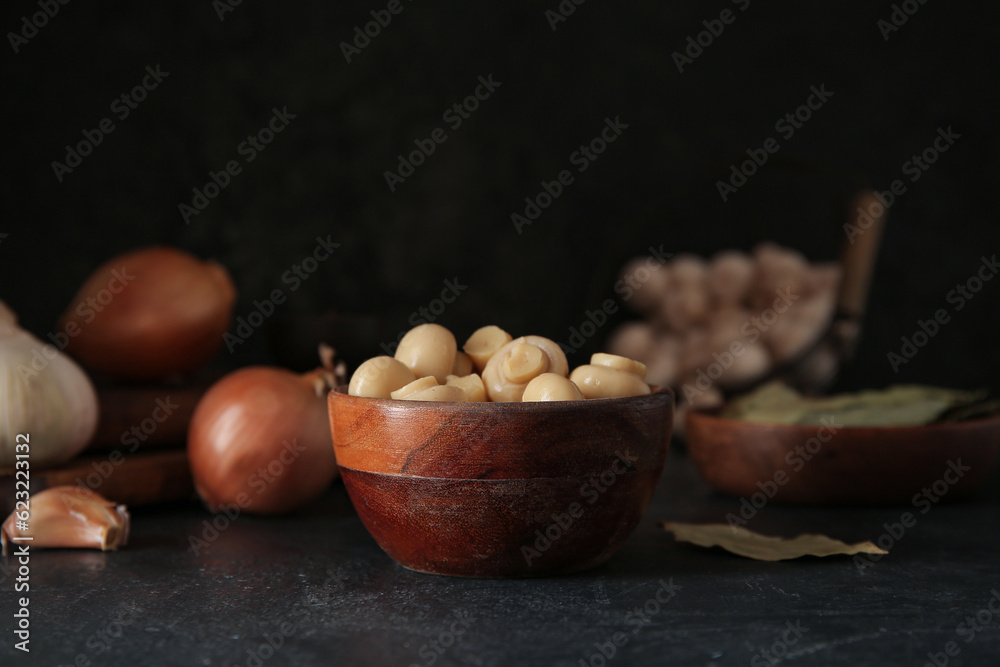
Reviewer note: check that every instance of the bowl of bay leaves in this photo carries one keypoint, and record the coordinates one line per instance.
(907, 444)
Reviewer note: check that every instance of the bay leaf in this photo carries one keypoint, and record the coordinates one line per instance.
(747, 543)
(898, 405)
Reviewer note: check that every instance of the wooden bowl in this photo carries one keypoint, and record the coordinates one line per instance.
(500, 489)
(812, 464)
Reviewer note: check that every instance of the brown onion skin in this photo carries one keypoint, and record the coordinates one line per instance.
(168, 320)
(238, 430)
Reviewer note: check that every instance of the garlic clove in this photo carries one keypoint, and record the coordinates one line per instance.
(71, 517)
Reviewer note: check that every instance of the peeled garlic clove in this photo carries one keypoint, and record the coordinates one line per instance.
(471, 384)
(428, 349)
(43, 394)
(442, 392)
(379, 377)
(484, 343)
(551, 387)
(70, 516)
(414, 387)
(603, 382)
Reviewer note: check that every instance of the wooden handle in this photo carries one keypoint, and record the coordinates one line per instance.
(866, 221)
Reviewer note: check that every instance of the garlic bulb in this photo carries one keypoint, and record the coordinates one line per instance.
(43, 394)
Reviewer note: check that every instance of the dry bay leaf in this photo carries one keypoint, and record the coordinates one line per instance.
(898, 405)
(743, 542)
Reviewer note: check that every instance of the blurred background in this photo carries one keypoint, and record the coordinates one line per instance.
(352, 104)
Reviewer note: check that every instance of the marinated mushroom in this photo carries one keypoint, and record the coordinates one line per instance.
(441, 392)
(603, 382)
(551, 387)
(518, 362)
(463, 365)
(379, 377)
(428, 349)
(636, 368)
(472, 385)
(415, 386)
(484, 343)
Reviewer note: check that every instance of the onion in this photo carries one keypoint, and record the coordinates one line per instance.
(260, 439)
(149, 314)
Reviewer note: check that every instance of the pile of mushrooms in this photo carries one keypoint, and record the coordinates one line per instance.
(716, 325)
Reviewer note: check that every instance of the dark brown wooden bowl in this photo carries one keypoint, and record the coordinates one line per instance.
(501, 489)
(796, 463)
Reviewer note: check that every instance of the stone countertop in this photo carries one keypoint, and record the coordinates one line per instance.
(315, 589)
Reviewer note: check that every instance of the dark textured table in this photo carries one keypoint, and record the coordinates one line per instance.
(316, 590)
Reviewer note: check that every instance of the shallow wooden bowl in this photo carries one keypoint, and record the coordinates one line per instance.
(843, 465)
(500, 489)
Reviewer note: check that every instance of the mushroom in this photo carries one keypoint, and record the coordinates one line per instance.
(635, 340)
(415, 386)
(551, 387)
(730, 276)
(428, 349)
(379, 377)
(471, 384)
(514, 365)
(441, 392)
(605, 381)
(483, 344)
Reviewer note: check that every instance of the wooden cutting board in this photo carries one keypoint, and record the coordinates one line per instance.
(143, 478)
(139, 418)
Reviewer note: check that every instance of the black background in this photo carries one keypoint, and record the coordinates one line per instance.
(654, 186)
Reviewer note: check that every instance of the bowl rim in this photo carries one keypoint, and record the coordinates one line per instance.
(709, 414)
(656, 392)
